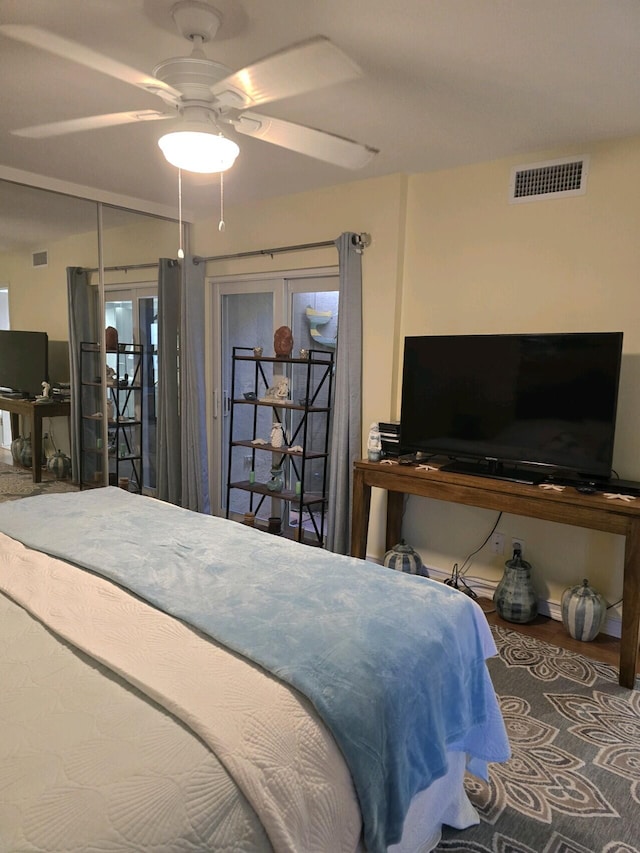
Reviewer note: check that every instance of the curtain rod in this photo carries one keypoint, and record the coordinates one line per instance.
(126, 267)
(362, 240)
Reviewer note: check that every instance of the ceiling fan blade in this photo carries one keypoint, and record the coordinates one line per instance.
(43, 39)
(297, 69)
(59, 128)
(306, 140)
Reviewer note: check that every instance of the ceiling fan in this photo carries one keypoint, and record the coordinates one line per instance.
(202, 96)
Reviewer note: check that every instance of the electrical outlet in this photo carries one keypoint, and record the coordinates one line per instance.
(517, 542)
(497, 543)
(247, 462)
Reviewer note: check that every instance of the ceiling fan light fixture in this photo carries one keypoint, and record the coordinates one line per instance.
(199, 150)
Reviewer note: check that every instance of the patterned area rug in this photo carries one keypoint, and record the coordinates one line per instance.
(18, 483)
(573, 782)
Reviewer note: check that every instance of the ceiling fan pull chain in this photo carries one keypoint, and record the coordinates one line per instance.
(180, 250)
(221, 223)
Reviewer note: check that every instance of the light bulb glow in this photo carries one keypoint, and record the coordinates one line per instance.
(198, 151)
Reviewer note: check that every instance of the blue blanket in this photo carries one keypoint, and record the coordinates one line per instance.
(393, 663)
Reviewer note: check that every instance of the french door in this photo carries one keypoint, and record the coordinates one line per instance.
(246, 311)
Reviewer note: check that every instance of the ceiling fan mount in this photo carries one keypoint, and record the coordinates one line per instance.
(196, 87)
(196, 20)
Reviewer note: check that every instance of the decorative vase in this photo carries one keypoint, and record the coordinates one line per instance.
(404, 558)
(26, 454)
(276, 483)
(515, 597)
(111, 339)
(583, 612)
(277, 435)
(16, 449)
(59, 465)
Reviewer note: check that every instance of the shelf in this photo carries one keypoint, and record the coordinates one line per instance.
(285, 404)
(313, 454)
(285, 494)
(324, 359)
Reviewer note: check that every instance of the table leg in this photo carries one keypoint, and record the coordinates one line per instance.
(630, 607)
(395, 507)
(36, 446)
(360, 515)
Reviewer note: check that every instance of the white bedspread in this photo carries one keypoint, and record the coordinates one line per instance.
(297, 783)
(104, 757)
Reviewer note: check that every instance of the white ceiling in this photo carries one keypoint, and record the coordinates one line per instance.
(445, 83)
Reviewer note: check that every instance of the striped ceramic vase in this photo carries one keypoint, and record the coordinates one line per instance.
(404, 558)
(514, 597)
(583, 612)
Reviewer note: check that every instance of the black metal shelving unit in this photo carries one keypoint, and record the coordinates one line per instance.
(125, 424)
(305, 418)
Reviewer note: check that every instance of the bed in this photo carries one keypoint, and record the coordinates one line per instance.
(173, 681)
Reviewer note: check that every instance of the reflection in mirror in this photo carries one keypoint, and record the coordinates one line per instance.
(131, 254)
(42, 233)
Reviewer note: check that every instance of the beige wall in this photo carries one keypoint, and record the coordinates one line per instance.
(450, 255)
(475, 263)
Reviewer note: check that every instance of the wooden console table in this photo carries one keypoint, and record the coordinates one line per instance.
(567, 507)
(17, 406)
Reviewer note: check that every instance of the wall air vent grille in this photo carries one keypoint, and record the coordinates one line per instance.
(40, 259)
(553, 179)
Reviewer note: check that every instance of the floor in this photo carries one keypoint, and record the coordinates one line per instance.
(5, 456)
(604, 648)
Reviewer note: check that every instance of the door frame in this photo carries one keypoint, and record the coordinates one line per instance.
(283, 283)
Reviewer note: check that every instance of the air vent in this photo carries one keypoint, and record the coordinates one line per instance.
(40, 259)
(553, 179)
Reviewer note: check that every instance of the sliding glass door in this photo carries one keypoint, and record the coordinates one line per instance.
(246, 311)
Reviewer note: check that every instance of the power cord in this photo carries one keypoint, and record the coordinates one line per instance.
(457, 580)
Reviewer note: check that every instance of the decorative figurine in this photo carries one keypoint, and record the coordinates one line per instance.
(276, 483)
(277, 435)
(111, 339)
(283, 342)
(111, 375)
(279, 391)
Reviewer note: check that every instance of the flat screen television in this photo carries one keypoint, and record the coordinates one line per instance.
(24, 362)
(522, 407)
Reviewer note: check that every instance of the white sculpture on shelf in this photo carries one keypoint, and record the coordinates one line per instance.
(278, 392)
(277, 435)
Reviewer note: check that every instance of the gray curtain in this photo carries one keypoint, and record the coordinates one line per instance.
(346, 431)
(82, 301)
(169, 479)
(194, 455)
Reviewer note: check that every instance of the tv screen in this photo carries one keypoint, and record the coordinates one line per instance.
(23, 361)
(510, 404)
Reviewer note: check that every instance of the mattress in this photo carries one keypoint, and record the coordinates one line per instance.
(256, 767)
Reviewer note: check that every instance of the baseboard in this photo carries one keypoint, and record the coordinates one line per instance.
(485, 589)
